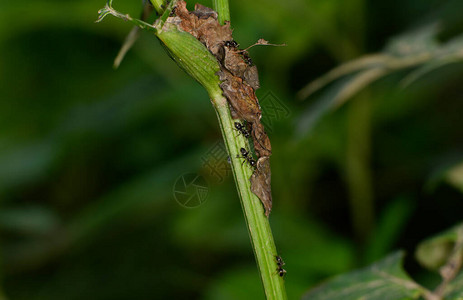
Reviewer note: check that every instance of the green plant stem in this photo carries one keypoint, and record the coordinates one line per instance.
(158, 5)
(257, 223)
(195, 59)
(221, 7)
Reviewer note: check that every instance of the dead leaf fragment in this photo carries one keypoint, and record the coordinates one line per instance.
(252, 77)
(261, 183)
(240, 96)
(203, 12)
(234, 62)
(202, 24)
(262, 144)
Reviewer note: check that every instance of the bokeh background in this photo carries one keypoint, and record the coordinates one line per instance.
(89, 155)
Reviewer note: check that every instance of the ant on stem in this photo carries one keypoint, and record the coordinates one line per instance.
(248, 157)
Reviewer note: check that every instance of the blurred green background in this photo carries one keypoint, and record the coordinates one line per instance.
(89, 155)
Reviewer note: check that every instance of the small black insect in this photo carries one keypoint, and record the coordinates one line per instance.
(242, 129)
(231, 44)
(279, 260)
(280, 264)
(172, 13)
(246, 58)
(248, 157)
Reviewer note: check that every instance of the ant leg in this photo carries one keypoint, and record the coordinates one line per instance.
(237, 156)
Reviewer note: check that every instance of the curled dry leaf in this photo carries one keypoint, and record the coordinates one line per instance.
(203, 12)
(262, 144)
(233, 61)
(241, 97)
(260, 183)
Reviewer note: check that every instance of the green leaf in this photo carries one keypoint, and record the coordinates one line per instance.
(336, 94)
(385, 279)
(450, 53)
(434, 252)
(416, 41)
(418, 51)
(350, 67)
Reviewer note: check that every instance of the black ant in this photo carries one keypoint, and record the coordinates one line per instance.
(231, 44)
(279, 260)
(246, 58)
(280, 264)
(248, 157)
(242, 129)
(172, 13)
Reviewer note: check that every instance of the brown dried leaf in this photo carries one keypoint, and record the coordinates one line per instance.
(203, 25)
(182, 17)
(213, 35)
(261, 183)
(203, 12)
(234, 62)
(252, 77)
(240, 64)
(262, 144)
(240, 96)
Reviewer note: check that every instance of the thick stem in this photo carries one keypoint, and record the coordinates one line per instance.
(257, 223)
(158, 5)
(221, 7)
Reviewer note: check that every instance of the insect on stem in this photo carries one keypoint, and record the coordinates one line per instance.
(248, 157)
